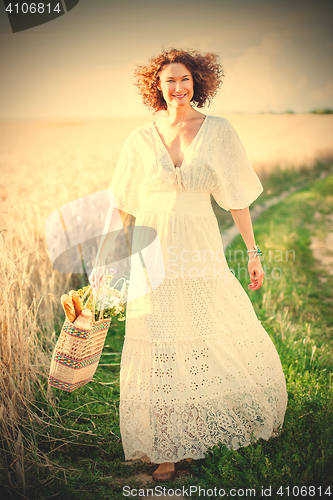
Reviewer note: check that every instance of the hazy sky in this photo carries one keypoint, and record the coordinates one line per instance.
(277, 55)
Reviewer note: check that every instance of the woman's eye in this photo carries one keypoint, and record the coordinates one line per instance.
(171, 81)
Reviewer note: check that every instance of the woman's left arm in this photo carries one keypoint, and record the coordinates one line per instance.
(243, 221)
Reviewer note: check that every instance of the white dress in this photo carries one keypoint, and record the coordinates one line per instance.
(197, 366)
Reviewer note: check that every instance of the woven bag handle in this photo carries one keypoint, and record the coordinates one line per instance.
(102, 308)
(118, 281)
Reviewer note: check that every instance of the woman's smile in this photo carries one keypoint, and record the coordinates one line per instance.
(179, 96)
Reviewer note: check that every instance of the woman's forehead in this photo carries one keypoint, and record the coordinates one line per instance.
(174, 69)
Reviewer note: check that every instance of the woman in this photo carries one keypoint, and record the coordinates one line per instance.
(197, 366)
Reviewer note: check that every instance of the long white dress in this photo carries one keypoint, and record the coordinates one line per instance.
(197, 366)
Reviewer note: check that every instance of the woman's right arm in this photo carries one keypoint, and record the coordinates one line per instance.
(110, 233)
(123, 190)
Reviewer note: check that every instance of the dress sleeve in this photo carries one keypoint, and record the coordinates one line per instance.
(238, 184)
(127, 177)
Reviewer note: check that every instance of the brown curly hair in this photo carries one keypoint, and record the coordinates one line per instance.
(207, 74)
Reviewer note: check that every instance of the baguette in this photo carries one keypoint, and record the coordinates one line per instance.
(68, 306)
(77, 302)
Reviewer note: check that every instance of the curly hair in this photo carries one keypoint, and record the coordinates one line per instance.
(207, 74)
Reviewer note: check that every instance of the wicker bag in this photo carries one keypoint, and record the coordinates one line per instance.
(77, 352)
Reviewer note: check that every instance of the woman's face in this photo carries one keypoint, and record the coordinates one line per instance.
(176, 85)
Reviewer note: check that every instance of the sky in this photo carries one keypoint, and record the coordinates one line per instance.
(276, 54)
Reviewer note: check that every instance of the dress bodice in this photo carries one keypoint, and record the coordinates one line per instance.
(216, 162)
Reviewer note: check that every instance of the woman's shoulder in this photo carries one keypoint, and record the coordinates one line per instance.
(220, 122)
(140, 132)
(142, 128)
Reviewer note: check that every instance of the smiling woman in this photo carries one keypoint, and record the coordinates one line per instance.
(197, 366)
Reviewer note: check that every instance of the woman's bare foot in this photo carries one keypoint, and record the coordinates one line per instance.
(165, 472)
(165, 467)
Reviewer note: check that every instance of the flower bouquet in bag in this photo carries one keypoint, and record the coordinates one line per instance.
(107, 297)
(80, 344)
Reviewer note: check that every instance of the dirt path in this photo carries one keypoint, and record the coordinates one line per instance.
(323, 248)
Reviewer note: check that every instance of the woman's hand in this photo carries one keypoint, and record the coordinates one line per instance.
(96, 275)
(256, 273)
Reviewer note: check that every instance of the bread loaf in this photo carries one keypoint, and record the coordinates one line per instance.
(76, 301)
(67, 304)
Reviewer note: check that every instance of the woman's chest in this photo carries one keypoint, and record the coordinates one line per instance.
(197, 165)
(178, 140)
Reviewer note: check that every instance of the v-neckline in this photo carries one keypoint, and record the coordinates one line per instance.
(188, 149)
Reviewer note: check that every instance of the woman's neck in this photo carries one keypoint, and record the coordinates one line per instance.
(180, 115)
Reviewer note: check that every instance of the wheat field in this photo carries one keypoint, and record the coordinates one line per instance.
(45, 165)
